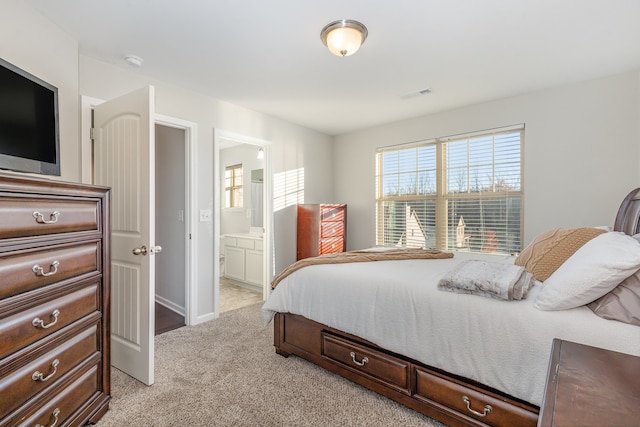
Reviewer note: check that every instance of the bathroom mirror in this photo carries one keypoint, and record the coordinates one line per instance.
(257, 196)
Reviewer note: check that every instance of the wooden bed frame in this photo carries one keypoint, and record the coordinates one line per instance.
(451, 399)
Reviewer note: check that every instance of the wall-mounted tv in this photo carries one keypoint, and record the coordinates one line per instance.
(29, 134)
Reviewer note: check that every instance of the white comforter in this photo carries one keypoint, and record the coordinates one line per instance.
(396, 305)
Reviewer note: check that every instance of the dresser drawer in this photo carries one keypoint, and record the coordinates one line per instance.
(22, 384)
(378, 366)
(332, 213)
(495, 411)
(20, 217)
(329, 246)
(33, 269)
(331, 229)
(30, 325)
(61, 407)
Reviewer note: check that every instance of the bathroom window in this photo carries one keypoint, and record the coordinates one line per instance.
(233, 186)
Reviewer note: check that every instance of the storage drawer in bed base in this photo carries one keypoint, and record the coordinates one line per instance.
(427, 390)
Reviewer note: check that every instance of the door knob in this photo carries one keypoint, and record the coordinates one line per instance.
(155, 249)
(142, 250)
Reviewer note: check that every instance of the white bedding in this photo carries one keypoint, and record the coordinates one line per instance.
(396, 305)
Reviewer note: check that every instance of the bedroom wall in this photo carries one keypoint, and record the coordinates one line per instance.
(581, 153)
(31, 42)
(292, 147)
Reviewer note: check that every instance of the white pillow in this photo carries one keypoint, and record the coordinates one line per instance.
(592, 271)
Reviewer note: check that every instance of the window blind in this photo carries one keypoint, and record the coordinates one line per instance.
(460, 193)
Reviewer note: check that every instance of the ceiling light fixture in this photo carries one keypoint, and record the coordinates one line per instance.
(344, 37)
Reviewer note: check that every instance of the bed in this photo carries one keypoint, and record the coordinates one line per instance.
(459, 358)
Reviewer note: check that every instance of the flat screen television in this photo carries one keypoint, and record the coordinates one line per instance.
(29, 133)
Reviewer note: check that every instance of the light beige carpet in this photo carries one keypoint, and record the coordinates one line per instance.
(226, 373)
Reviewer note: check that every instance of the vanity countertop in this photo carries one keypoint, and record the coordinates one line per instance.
(244, 235)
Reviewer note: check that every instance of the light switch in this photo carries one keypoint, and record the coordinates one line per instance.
(181, 215)
(205, 215)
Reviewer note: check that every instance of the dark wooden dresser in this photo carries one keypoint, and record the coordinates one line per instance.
(589, 386)
(54, 302)
(322, 229)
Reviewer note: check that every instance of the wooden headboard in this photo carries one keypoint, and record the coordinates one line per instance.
(628, 217)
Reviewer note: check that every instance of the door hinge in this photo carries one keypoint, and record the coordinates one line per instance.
(91, 133)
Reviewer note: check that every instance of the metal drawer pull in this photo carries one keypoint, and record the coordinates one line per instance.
(487, 408)
(56, 414)
(39, 376)
(364, 359)
(53, 218)
(39, 323)
(53, 269)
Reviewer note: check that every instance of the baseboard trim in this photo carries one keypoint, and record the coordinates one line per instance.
(170, 305)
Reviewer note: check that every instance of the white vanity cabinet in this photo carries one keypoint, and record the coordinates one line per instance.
(243, 256)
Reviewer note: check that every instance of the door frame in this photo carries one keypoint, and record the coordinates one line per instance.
(191, 131)
(220, 135)
(191, 291)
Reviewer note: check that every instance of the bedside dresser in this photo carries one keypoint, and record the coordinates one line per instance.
(54, 302)
(589, 386)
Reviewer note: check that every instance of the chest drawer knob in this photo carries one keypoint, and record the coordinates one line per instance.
(487, 408)
(362, 363)
(53, 218)
(39, 376)
(54, 415)
(39, 323)
(53, 269)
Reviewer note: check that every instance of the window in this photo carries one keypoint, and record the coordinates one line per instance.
(462, 193)
(233, 186)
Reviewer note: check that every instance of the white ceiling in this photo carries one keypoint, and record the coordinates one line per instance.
(266, 55)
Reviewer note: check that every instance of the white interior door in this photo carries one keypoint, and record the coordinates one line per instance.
(124, 161)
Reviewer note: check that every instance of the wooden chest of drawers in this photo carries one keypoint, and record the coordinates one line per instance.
(54, 302)
(322, 229)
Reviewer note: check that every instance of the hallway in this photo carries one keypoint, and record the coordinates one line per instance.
(231, 297)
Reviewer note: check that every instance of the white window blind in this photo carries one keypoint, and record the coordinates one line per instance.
(461, 193)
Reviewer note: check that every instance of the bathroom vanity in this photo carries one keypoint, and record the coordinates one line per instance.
(243, 258)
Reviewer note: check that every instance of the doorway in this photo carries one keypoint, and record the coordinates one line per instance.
(170, 206)
(140, 364)
(243, 237)
(180, 133)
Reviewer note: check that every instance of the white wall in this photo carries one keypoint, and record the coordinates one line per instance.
(581, 153)
(31, 42)
(292, 147)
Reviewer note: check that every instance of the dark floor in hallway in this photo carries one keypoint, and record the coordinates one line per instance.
(232, 296)
(167, 320)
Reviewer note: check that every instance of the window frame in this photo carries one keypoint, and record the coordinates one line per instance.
(442, 196)
(232, 200)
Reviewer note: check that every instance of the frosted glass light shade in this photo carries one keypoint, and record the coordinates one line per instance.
(344, 37)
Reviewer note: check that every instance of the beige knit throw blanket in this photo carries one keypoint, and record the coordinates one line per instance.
(362, 256)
